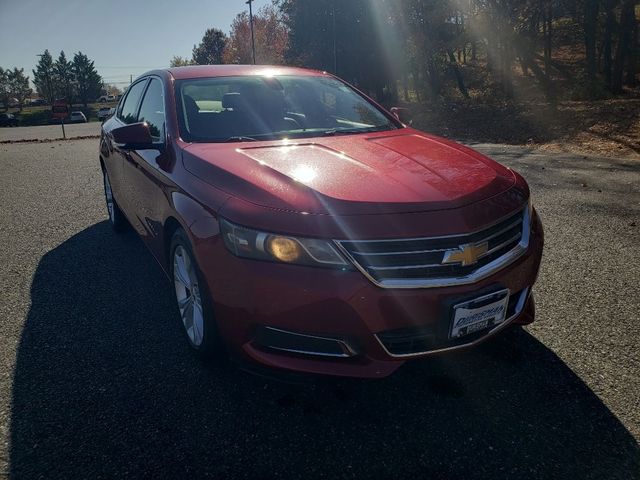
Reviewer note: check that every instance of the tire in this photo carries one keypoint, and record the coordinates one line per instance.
(193, 302)
(116, 217)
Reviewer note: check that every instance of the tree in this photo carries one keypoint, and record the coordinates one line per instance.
(381, 45)
(353, 39)
(211, 48)
(634, 48)
(590, 30)
(627, 23)
(88, 82)
(238, 49)
(18, 85)
(610, 22)
(270, 34)
(4, 88)
(43, 77)
(112, 89)
(178, 61)
(63, 77)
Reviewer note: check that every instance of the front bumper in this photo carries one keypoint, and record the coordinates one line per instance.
(344, 306)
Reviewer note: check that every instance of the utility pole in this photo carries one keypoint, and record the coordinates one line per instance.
(253, 42)
(335, 54)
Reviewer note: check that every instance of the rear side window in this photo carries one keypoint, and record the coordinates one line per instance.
(128, 112)
(152, 109)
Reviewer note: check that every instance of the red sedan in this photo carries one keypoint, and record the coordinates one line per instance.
(306, 228)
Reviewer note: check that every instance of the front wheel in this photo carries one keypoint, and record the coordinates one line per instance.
(116, 217)
(194, 304)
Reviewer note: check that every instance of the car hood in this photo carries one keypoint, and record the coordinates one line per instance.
(387, 172)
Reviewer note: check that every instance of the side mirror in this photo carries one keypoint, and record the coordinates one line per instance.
(135, 136)
(402, 114)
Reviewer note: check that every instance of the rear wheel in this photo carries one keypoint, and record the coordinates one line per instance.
(193, 301)
(116, 217)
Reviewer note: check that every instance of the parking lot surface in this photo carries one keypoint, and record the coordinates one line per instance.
(96, 381)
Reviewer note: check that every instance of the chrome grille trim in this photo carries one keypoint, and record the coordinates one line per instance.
(502, 245)
(441, 281)
(408, 267)
(505, 229)
(407, 252)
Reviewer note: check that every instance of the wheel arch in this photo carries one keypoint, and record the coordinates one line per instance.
(171, 225)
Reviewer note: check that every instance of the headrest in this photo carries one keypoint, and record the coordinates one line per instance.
(190, 105)
(232, 100)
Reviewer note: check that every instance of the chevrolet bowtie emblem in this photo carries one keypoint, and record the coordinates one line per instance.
(465, 254)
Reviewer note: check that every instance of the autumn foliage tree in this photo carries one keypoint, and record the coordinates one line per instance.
(270, 38)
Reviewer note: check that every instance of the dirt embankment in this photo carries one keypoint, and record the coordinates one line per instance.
(603, 127)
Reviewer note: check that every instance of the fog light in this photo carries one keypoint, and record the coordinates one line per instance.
(284, 249)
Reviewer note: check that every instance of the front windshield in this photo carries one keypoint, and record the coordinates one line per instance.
(226, 109)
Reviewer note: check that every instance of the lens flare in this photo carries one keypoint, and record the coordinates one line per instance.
(304, 174)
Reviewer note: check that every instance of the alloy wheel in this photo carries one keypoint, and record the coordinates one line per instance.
(188, 295)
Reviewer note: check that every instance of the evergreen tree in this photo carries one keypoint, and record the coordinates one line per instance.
(88, 82)
(211, 48)
(43, 77)
(63, 77)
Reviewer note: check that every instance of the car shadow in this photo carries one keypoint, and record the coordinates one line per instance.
(104, 386)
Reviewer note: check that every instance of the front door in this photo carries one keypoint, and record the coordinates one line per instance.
(142, 168)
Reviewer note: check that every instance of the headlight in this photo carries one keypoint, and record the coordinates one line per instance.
(248, 243)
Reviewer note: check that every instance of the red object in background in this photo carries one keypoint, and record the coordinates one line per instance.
(60, 109)
(344, 251)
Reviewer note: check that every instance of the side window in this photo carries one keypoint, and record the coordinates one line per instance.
(152, 109)
(128, 112)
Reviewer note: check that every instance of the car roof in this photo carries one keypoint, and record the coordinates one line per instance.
(204, 71)
(76, 112)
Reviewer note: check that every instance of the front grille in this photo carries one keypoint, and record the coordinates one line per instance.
(416, 262)
(434, 337)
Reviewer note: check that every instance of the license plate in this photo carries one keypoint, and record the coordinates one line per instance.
(478, 314)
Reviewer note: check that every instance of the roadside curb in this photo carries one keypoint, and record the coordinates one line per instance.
(49, 140)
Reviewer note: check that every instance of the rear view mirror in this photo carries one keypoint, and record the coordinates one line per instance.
(402, 114)
(133, 137)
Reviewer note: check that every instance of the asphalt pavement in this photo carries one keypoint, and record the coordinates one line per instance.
(96, 381)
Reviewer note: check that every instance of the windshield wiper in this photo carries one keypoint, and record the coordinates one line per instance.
(239, 138)
(349, 131)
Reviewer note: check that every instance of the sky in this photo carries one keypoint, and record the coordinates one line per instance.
(123, 37)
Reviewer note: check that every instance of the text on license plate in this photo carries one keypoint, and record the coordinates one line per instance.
(468, 317)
